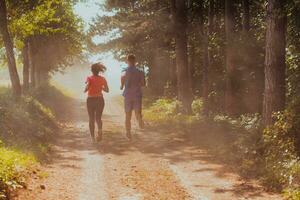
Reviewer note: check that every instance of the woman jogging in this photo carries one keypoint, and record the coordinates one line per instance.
(95, 84)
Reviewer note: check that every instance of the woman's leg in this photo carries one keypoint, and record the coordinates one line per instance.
(91, 112)
(99, 112)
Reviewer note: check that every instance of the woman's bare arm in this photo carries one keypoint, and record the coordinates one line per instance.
(86, 87)
(105, 87)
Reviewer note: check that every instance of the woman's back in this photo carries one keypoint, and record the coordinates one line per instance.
(96, 85)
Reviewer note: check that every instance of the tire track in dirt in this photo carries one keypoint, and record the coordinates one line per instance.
(154, 166)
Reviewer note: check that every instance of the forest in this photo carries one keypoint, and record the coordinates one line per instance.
(239, 56)
(232, 64)
(238, 60)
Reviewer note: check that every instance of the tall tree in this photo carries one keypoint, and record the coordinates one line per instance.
(275, 67)
(246, 15)
(14, 77)
(32, 53)
(53, 42)
(26, 66)
(179, 10)
(230, 104)
(206, 61)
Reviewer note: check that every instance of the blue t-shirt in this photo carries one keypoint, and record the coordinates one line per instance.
(134, 79)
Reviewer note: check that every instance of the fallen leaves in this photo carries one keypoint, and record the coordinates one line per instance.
(155, 181)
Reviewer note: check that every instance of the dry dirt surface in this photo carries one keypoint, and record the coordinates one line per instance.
(153, 166)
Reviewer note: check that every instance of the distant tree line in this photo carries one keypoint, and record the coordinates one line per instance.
(240, 56)
(45, 35)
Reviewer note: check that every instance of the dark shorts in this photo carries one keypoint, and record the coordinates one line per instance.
(133, 104)
(95, 106)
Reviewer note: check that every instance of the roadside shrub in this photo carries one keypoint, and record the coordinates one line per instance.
(244, 142)
(13, 167)
(281, 159)
(25, 121)
(26, 125)
(163, 110)
(197, 106)
(56, 100)
(292, 194)
(271, 155)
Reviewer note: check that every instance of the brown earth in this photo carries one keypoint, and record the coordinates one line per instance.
(153, 166)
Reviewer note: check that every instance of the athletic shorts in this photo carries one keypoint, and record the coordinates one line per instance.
(95, 106)
(133, 104)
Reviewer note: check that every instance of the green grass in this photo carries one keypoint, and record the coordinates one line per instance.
(164, 112)
(27, 128)
(292, 194)
(57, 99)
(14, 165)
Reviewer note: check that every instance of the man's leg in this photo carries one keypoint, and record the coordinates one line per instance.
(138, 112)
(128, 112)
(128, 124)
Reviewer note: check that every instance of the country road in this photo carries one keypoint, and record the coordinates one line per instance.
(153, 166)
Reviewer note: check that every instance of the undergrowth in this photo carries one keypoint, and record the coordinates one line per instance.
(27, 128)
(14, 165)
(270, 155)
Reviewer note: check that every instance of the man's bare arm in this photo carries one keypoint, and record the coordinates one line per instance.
(122, 82)
(143, 79)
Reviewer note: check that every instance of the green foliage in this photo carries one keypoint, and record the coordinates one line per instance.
(31, 120)
(280, 142)
(270, 155)
(26, 125)
(55, 33)
(244, 144)
(197, 106)
(58, 100)
(139, 27)
(290, 194)
(164, 112)
(13, 167)
(133, 27)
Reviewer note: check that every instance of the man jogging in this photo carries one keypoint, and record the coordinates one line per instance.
(132, 80)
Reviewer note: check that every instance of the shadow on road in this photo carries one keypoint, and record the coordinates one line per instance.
(172, 145)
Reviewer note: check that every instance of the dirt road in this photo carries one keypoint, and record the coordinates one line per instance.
(154, 166)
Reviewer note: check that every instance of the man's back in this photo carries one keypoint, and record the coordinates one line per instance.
(134, 79)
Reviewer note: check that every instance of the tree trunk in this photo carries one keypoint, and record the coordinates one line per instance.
(219, 13)
(246, 15)
(180, 22)
(14, 77)
(211, 15)
(33, 57)
(26, 66)
(230, 101)
(151, 73)
(32, 74)
(275, 67)
(172, 75)
(205, 81)
(37, 73)
(191, 65)
(205, 61)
